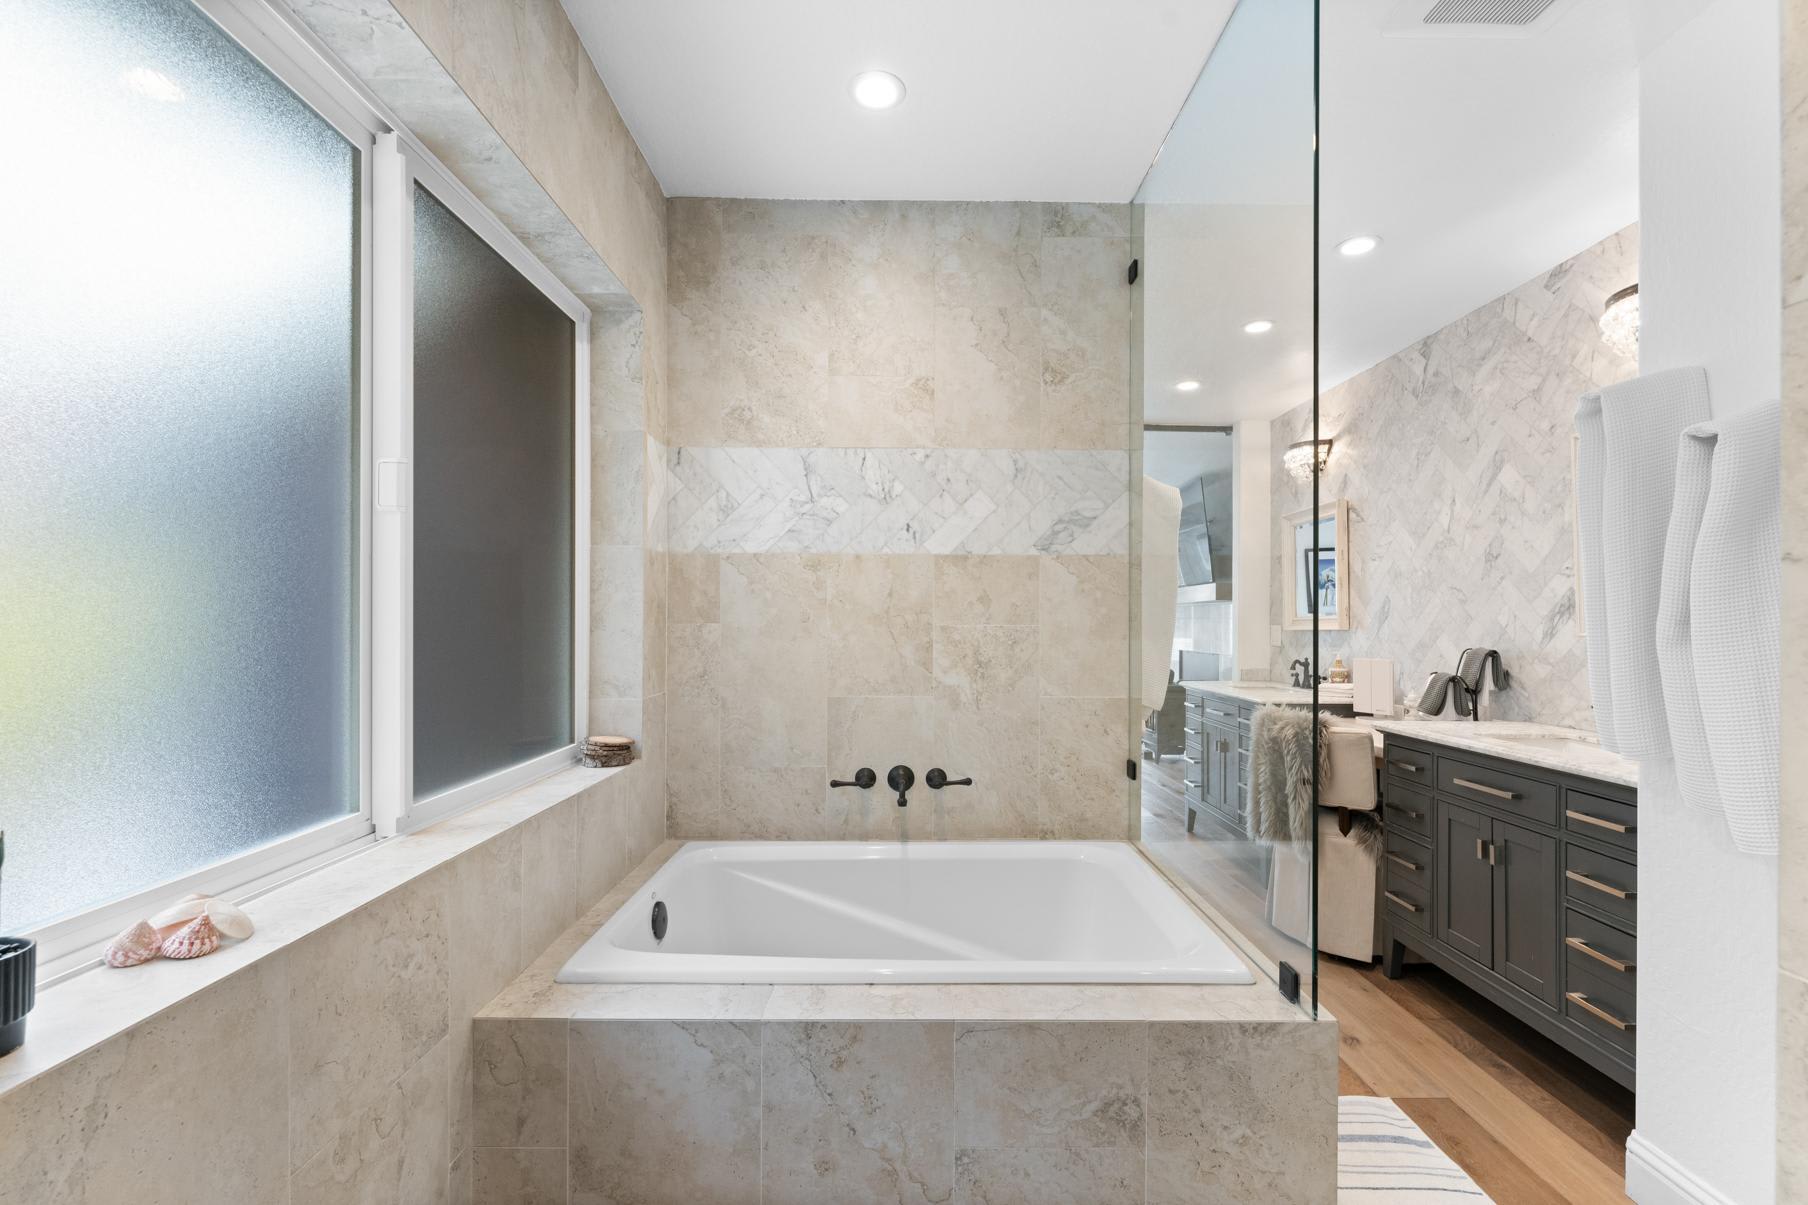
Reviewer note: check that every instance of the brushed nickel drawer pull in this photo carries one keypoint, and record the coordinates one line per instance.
(1590, 1006)
(1412, 866)
(1406, 904)
(1407, 811)
(1576, 943)
(1215, 711)
(1598, 885)
(1598, 822)
(1191, 761)
(1405, 765)
(1494, 791)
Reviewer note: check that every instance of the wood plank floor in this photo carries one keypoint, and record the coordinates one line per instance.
(1529, 1122)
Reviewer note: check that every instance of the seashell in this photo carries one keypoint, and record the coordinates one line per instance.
(138, 944)
(194, 939)
(230, 919)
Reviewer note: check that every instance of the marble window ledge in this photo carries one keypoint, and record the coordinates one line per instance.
(534, 994)
(79, 1014)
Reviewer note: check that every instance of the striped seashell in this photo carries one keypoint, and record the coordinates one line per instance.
(194, 939)
(230, 919)
(138, 944)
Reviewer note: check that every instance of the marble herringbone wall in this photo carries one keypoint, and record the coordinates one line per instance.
(1455, 457)
(897, 506)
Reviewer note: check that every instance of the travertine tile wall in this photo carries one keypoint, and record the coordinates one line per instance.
(1792, 894)
(898, 514)
(710, 1112)
(1455, 457)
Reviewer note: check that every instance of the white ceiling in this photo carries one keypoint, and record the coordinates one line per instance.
(1022, 100)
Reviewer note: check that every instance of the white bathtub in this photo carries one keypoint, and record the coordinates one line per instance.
(922, 912)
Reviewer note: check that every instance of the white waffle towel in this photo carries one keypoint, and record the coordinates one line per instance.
(1161, 586)
(1719, 639)
(1626, 477)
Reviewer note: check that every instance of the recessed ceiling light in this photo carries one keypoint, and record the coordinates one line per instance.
(1361, 244)
(1187, 386)
(877, 89)
(1261, 326)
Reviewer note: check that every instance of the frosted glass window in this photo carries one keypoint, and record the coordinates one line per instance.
(494, 366)
(178, 541)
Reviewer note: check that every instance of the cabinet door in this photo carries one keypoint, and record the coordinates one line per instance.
(1465, 882)
(1525, 910)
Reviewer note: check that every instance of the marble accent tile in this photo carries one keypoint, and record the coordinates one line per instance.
(1084, 626)
(98, 1128)
(1243, 1112)
(549, 876)
(985, 589)
(387, 964)
(695, 589)
(879, 732)
(1109, 1176)
(519, 1083)
(1085, 343)
(665, 1112)
(396, 1150)
(1060, 1085)
(519, 1177)
(858, 1112)
(1081, 747)
(774, 629)
(866, 500)
(879, 624)
(617, 336)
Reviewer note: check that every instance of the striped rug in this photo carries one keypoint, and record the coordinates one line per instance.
(1384, 1159)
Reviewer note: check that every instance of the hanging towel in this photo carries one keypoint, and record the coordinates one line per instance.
(1161, 586)
(1725, 638)
(1641, 421)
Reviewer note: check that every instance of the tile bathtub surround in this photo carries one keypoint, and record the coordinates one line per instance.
(1455, 457)
(328, 1058)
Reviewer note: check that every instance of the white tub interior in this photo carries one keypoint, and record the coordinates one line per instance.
(930, 912)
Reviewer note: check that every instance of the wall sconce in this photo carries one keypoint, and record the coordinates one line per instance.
(1620, 322)
(1303, 458)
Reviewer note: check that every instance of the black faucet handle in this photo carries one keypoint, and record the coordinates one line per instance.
(864, 778)
(901, 779)
(937, 778)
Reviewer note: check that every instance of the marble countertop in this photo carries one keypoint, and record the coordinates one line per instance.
(1568, 750)
(1258, 692)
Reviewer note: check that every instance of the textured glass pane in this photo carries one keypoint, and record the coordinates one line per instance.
(493, 379)
(178, 641)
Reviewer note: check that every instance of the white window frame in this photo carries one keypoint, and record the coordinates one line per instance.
(390, 162)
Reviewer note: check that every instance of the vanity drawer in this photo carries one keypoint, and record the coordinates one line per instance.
(1606, 820)
(1605, 1011)
(1406, 863)
(1409, 765)
(1407, 810)
(1601, 882)
(1591, 947)
(1498, 788)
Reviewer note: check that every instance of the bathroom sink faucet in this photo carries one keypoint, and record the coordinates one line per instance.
(1301, 670)
(901, 779)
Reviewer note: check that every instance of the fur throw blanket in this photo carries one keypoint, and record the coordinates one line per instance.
(1280, 780)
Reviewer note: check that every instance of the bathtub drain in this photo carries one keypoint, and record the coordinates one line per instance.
(659, 919)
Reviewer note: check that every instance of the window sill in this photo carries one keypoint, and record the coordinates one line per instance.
(79, 1013)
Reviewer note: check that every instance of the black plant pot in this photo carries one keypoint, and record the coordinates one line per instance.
(18, 988)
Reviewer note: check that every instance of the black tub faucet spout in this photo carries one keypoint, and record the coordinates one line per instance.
(901, 779)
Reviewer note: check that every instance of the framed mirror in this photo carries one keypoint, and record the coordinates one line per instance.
(1321, 580)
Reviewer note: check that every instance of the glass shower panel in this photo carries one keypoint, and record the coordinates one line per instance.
(1223, 322)
(178, 494)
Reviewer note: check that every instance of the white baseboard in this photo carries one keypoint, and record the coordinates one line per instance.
(1653, 1178)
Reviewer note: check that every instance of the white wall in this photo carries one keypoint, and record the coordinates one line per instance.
(1709, 205)
(1249, 548)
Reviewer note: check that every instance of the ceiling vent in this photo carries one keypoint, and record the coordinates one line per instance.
(1473, 18)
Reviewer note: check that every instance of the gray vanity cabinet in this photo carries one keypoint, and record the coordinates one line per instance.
(1217, 756)
(1522, 883)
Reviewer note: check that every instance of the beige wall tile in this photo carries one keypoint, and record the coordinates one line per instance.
(394, 1150)
(459, 1191)
(518, 1085)
(985, 589)
(618, 600)
(998, 749)
(1063, 1085)
(858, 1112)
(988, 253)
(1085, 343)
(617, 487)
(988, 376)
(1110, 1176)
(617, 368)
(388, 964)
(879, 624)
(695, 589)
(665, 1112)
(207, 1076)
(1082, 744)
(694, 778)
(653, 623)
(987, 667)
(549, 877)
(517, 1177)
(879, 732)
(1792, 1088)
(774, 650)
(1085, 625)
(1078, 219)
(602, 838)
(880, 411)
(1242, 1112)
(483, 927)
